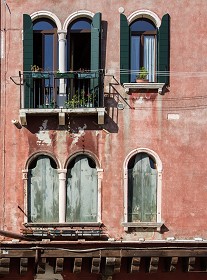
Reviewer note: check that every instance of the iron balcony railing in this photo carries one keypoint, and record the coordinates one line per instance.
(72, 90)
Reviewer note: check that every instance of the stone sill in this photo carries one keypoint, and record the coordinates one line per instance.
(61, 113)
(158, 86)
(142, 225)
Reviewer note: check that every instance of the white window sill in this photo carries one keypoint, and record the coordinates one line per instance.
(142, 225)
(158, 86)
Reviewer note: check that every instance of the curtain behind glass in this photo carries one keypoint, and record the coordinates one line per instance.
(149, 56)
(135, 59)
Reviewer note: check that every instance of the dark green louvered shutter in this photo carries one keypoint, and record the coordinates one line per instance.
(164, 50)
(124, 49)
(96, 56)
(27, 59)
(96, 42)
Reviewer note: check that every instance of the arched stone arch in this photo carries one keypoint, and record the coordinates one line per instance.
(47, 14)
(39, 153)
(145, 14)
(87, 153)
(76, 15)
(158, 162)
(150, 152)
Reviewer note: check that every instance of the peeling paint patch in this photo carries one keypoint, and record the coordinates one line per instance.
(173, 116)
(77, 136)
(43, 135)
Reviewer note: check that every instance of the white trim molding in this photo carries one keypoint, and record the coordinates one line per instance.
(158, 162)
(145, 14)
(47, 14)
(75, 15)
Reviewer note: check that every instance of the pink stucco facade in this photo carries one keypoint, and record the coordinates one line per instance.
(171, 125)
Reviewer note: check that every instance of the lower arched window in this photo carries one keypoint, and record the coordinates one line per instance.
(42, 195)
(142, 189)
(82, 190)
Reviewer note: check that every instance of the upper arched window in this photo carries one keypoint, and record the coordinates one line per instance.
(143, 48)
(79, 45)
(45, 44)
(143, 44)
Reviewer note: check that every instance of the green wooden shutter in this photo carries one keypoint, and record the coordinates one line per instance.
(96, 56)
(142, 190)
(27, 59)
(124, 49)
(96, 42)
(82, 192)
(164, 50)
(43, 198)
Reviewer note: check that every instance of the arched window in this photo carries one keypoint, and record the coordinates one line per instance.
(143, 48)
(40, 54)
(142, 189)
(144, 43)
(82, 190)
(42, 193)
(79, 45)
(45, 44)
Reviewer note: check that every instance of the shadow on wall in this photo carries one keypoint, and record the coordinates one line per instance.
(73, 124)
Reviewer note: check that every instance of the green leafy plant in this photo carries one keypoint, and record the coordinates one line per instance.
(142, 73)
(79, 99)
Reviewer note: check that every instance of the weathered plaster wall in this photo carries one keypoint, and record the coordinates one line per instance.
(180, 142)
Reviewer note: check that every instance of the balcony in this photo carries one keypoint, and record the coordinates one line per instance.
(54, 93)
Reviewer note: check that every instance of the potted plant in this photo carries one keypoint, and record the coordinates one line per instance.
(142, 75)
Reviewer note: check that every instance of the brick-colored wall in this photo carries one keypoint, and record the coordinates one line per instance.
(180, 143)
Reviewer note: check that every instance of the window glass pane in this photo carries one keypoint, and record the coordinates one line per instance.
(149, 57)
(81, 24)
(135, 57)
(43, 25)
(142, 25)
(48, 52)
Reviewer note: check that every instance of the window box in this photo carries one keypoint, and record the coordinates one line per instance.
(65, 75)
(40, 75)
(86, 75)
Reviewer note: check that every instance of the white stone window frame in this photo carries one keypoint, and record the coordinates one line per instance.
(158, 162)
